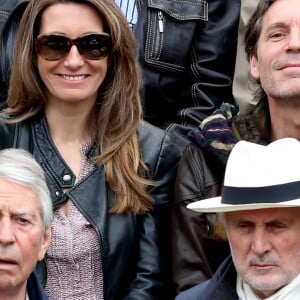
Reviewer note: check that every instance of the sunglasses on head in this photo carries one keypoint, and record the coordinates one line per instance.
(92, 46)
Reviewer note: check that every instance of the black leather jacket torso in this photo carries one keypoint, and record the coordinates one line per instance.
(135, 249)
(187, 51)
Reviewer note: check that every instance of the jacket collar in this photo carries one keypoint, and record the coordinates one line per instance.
(224, 281)
(34, 289)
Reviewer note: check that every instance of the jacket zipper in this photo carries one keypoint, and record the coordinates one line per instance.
(160, 22)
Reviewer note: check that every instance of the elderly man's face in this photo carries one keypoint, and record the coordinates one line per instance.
(265, 246)
(277, 64)
(22, 239)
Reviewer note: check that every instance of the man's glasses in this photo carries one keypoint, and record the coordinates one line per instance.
(92, 46)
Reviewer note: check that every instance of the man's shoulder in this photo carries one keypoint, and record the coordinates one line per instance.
(220, 286)
(154, 140)
(197, 292)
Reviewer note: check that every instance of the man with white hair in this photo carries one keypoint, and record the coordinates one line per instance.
(272, 44)
(25, 218)
(260, 208)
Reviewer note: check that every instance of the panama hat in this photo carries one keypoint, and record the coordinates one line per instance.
(258, 177)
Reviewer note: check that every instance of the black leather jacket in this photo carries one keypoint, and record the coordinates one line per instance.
(187, 51)
(135, 250)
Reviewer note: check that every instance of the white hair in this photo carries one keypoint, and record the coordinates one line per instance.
(19, 166)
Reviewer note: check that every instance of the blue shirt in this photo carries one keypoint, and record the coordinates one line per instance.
(129, 9)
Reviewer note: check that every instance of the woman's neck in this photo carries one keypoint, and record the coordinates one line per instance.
(68, 126)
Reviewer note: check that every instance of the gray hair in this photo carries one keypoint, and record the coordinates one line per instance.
(19, 166)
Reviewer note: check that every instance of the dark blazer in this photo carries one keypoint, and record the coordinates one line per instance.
(221, 286)
(34, 289)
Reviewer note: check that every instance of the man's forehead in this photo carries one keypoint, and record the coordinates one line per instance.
(9, 207)
(268, 214)
(15, 197)
(281, 12)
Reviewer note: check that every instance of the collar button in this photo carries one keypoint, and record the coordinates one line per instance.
(66, 177)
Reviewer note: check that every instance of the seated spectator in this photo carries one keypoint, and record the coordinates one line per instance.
(25, 218)
(74, 103)
(273, 51)
(260, 207)
(183, 81)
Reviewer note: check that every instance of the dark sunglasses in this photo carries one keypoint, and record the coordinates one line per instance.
(92, 46)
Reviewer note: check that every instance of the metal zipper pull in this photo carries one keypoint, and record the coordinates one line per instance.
(160, 22)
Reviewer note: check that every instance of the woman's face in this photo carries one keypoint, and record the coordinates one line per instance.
(74, 78)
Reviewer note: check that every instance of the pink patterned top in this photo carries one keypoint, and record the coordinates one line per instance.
(74, 266)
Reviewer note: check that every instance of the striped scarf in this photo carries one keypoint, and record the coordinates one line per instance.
(218, 133)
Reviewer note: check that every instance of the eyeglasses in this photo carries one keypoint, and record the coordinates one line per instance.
(92, 46)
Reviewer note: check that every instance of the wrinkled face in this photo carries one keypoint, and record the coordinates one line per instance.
(277, 64)
(73, 78)
(265, 246)
(22, 238)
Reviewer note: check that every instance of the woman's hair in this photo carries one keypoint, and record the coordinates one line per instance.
(117, 113)
(19, 166)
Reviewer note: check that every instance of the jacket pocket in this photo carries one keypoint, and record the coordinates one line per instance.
(170, 32)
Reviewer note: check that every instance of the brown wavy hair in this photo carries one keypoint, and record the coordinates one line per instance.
(118, 108)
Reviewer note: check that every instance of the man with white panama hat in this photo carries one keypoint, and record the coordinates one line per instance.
(272, 44)
(260, 208)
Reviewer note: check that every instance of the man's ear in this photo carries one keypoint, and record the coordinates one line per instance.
(254, 70)
(45, 242)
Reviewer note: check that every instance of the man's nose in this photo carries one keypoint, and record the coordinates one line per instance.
(260, 242)
(7, 234)
(294, 41)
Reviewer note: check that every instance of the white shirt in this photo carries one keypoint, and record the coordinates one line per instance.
(288, 292)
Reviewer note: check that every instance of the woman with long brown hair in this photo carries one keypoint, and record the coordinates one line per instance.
(74, 103)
